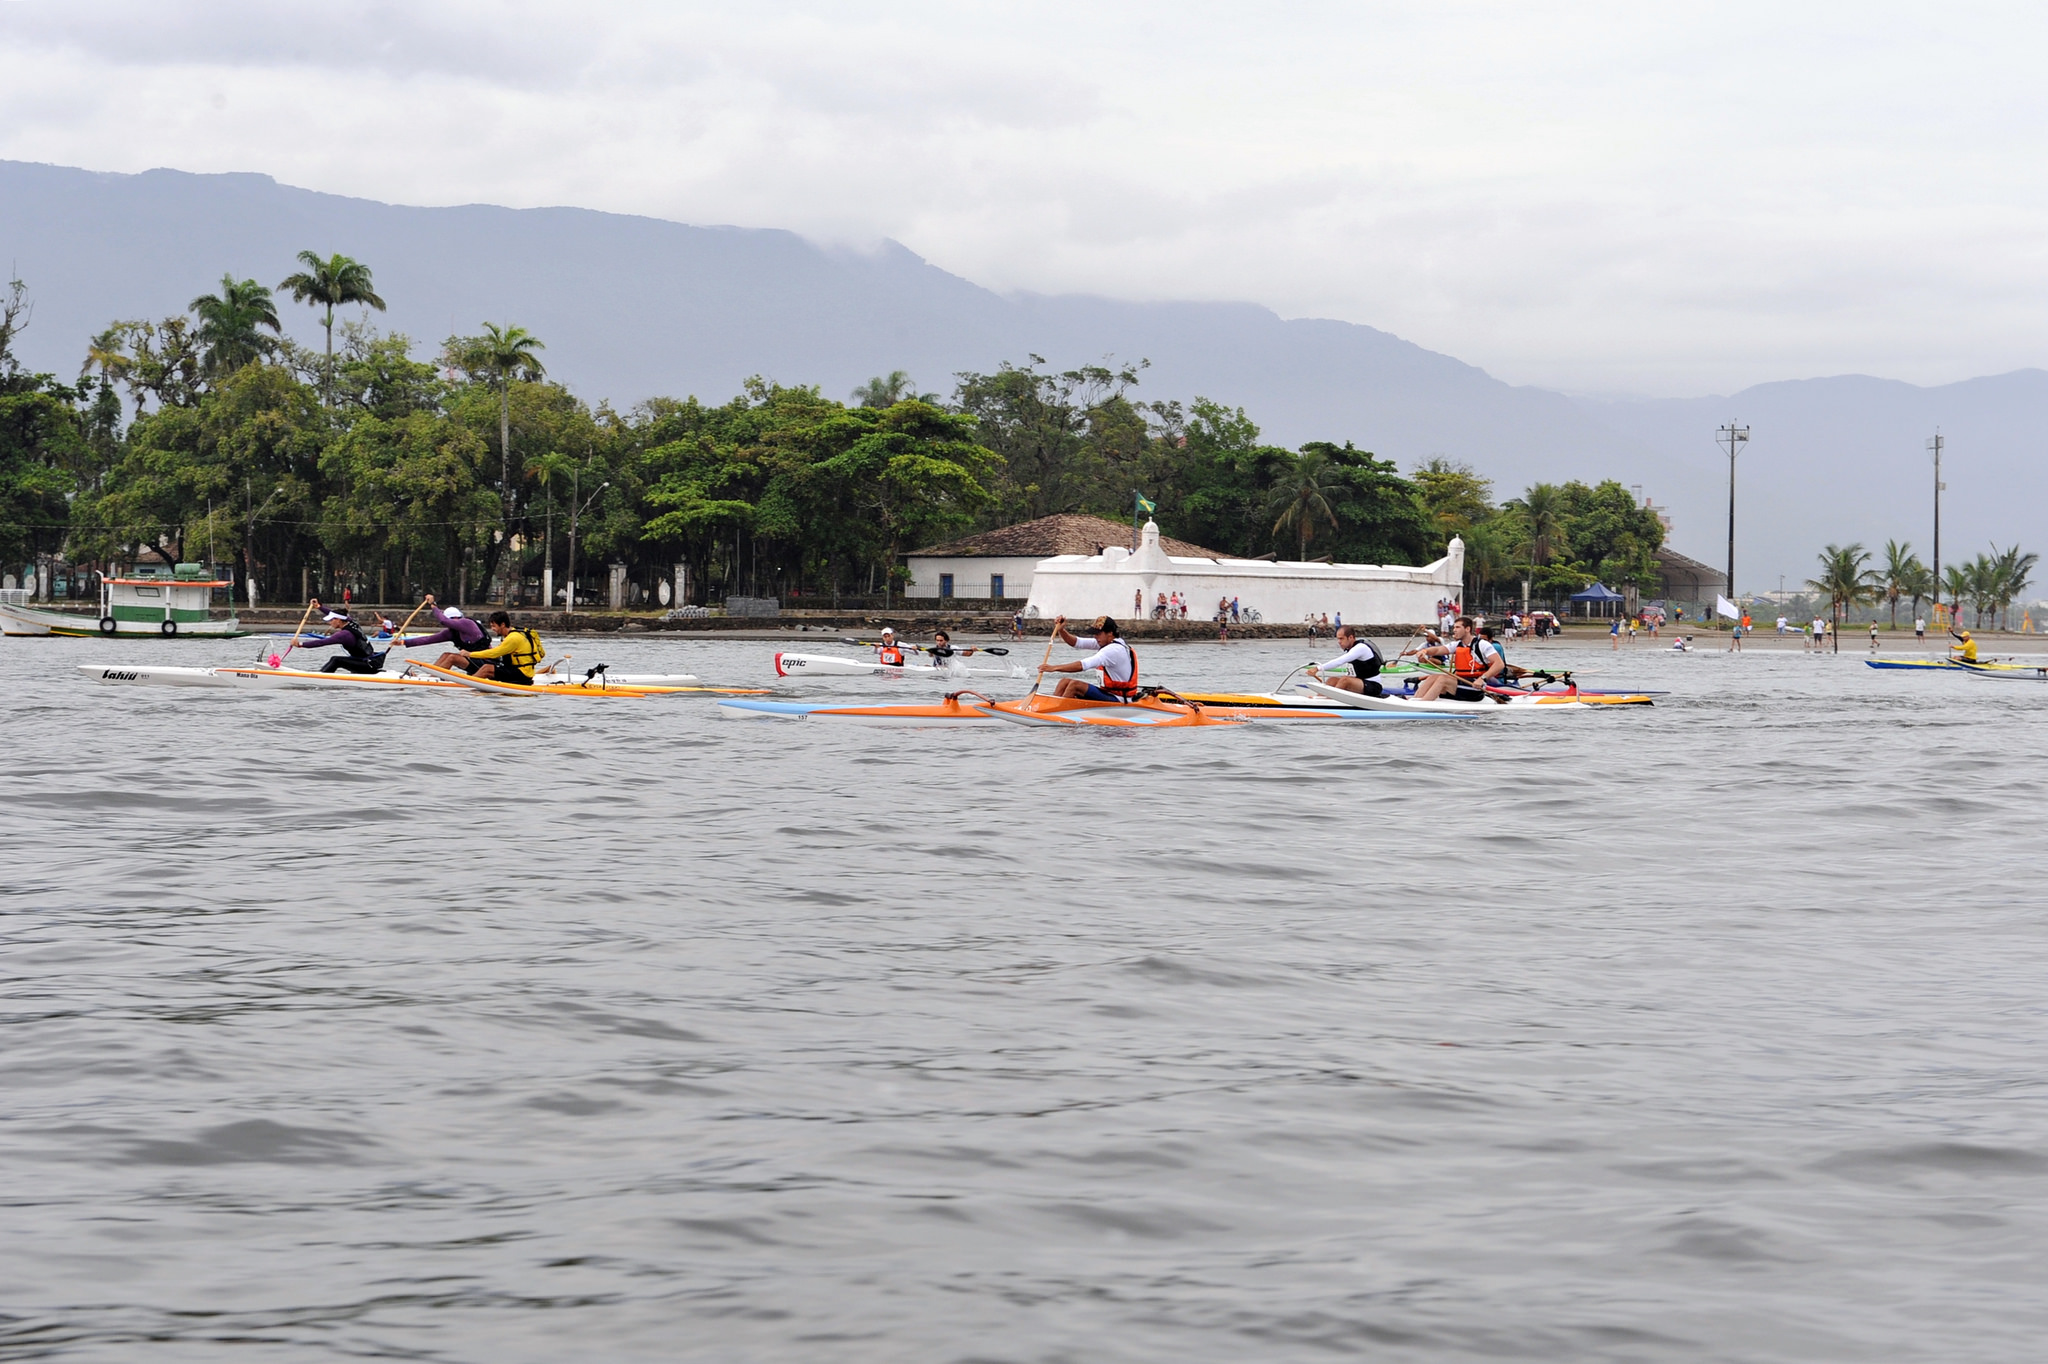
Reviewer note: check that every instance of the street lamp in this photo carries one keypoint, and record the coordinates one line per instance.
(1935, 445)
(1734, 437)
(576, 510)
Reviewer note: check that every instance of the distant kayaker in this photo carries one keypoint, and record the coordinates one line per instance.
(942, 649)
(1361, 656)
(889, 651)
(1965, 648)
(1116, 660)
(456, 629)
(1474, 663)
(512, 659)
(356, 657)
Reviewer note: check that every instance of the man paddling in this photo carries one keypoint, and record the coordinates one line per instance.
(1116, 660)
(356, 655)
(1361, 656)
(942, 650)
(1965, 648)
(456, 629)
(889, 651)
(1474, 664)
(511, 659)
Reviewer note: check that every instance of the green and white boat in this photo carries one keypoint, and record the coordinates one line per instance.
(173, 605)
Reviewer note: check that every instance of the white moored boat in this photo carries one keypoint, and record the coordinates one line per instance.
(170, 605)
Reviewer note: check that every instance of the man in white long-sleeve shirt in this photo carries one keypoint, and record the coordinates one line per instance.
(1364, 660)
(1116, 660)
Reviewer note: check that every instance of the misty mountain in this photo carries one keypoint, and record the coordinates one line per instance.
(632, 307)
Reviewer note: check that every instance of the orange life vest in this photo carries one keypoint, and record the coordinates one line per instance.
(1124, 690)
(1466, 660)
(890, 655)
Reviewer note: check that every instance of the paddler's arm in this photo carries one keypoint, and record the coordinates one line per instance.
(1061, 667)
(438, 637)
(498, 650)
(1059, 627)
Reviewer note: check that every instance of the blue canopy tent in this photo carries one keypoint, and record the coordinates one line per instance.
(1600, 593)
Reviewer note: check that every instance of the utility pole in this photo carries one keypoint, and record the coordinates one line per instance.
(1734, 437)
(1935, 445)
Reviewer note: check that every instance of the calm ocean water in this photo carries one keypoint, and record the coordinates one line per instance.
(452, 1028)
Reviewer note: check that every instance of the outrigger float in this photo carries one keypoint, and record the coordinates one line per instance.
(173, 605)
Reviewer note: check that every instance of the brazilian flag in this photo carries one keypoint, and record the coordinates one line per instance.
(1145, 506)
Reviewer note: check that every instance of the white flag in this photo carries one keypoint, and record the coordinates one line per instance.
(1725, 608)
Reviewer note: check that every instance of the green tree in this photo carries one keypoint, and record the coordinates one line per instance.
(2008, 573)
(230, 326)
(1380, 517)
(1301, 500)
(331, 283)
(1897, 574)
(1455, 498)
(915, 471)
(504, 355)
(1542, 511)
(889, 390)
(1607, 536)
(1958, 581)
(1844, 580)
(1066, 442)
(41, 446)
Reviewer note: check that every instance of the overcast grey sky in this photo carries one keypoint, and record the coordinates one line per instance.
(1606, 198)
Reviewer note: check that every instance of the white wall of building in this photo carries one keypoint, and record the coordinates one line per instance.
(1079, 586)
(971, 575)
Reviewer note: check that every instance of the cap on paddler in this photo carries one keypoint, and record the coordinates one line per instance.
(1104, 625)
(888, 629)
(451, 611)
(335, 615)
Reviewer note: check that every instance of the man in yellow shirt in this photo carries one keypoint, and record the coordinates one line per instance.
(1965, 652)
(512, 658)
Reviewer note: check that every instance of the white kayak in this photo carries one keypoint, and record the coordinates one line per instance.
(256, 677)
(831, 665)
(1492, 705)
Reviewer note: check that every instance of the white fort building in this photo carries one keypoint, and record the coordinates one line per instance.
(1085, 569)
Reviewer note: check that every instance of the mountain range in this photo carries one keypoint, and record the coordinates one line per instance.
(631, 307)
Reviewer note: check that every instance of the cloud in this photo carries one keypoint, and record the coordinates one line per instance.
(1600, 197)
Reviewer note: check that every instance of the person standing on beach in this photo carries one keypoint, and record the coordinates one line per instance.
(1873, 637)
(1919, 629)
(1614, 634)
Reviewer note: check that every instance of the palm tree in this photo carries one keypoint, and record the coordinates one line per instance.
(1899, 563)
(1918, 583)
(1845, 580)
(1956, 579)
(885, 392)
(1299, 498)
(507, 353)
(332, 282)
(545, 471)
(229, 323)
(2011, 571)
(1543, 512)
